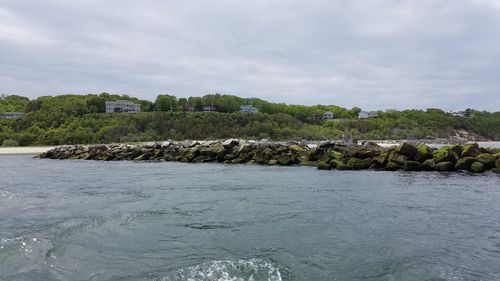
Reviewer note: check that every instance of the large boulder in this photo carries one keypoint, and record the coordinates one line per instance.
(496, 170)
(444, 154)
(407, 150)
(398, 158)
(325, 144)
(424, 152)
(471, 150)
(371, 145)
(339, 165)
(429, 164)
(359, 164)
(284, 160)
(465, 163)
(487, 160)
(444, 166)
(383, 158)
(413, 166)
(393, 166)
(477, 167)
(359, 152)
(323, 165)
(297, 148)
(230, 143)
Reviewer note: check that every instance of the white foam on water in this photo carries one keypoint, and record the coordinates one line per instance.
(29, 249)
(226, 270)
(6, 195)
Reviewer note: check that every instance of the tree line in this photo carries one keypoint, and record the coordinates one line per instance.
(81, 119)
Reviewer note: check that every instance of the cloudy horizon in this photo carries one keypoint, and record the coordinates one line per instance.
(371, 54)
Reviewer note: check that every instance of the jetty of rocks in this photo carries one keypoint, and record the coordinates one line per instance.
(324, 155)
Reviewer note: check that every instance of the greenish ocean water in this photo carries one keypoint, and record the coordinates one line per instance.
(88, 220)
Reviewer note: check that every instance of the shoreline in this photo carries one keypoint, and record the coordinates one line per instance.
(35, 150)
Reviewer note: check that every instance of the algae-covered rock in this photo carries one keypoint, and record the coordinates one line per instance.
(398, 158)
(358, 164)
(359, 152)
(284, 160)
(407, 150)
(456, 150)
(429, 164)
(497, 163)
(323, 165)
(496, 170)
(297, 148)
(393, 166)
(313, 154)
(273, 162)
(444, 166)
(203, 159)
(487, 160)
(477, 167)
(424, 152)
(471, 150)
(335, 154)
(413, 166)
(339, 165)
(444, 154)
(383, 158)
(465, 163)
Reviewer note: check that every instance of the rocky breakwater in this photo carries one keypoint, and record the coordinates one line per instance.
(324, 155)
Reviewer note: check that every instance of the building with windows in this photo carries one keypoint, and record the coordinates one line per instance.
(321, 116)
(12, 115)
(122, 106)
(328, 115)
(367, 114)
(249, 108)
(209, 108)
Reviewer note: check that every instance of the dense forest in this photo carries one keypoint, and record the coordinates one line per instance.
(81, 119)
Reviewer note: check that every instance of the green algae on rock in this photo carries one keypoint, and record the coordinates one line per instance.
(324, 155)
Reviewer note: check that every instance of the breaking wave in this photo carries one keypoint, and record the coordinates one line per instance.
(241, 270)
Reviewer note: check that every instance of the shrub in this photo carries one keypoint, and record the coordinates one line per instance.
(9, 142)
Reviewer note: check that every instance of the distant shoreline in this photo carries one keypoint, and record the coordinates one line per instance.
(35, 150)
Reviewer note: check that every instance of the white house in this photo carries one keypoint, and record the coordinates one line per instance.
(327, 115)
(249, 108)
(122, 106)
(366, 114)
(12, 115)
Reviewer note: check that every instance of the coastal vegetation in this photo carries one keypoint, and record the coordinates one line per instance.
(82, 119)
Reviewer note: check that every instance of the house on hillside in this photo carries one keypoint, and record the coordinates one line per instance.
(328, 115)
(367, 114)
(12, 115)
(122, 106)
(321, 116)
(189, 108)
(248, 108)
(209, 108)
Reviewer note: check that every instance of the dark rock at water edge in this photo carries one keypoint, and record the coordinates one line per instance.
(325, 155)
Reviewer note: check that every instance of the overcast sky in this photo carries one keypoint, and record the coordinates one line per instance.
(373, 54)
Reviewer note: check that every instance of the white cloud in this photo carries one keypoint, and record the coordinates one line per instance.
(372, 53)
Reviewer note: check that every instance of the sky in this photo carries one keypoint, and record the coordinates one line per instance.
(374, 54)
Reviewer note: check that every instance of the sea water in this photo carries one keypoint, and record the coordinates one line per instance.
(90, 220)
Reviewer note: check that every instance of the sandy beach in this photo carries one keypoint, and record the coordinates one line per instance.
(24, 150)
